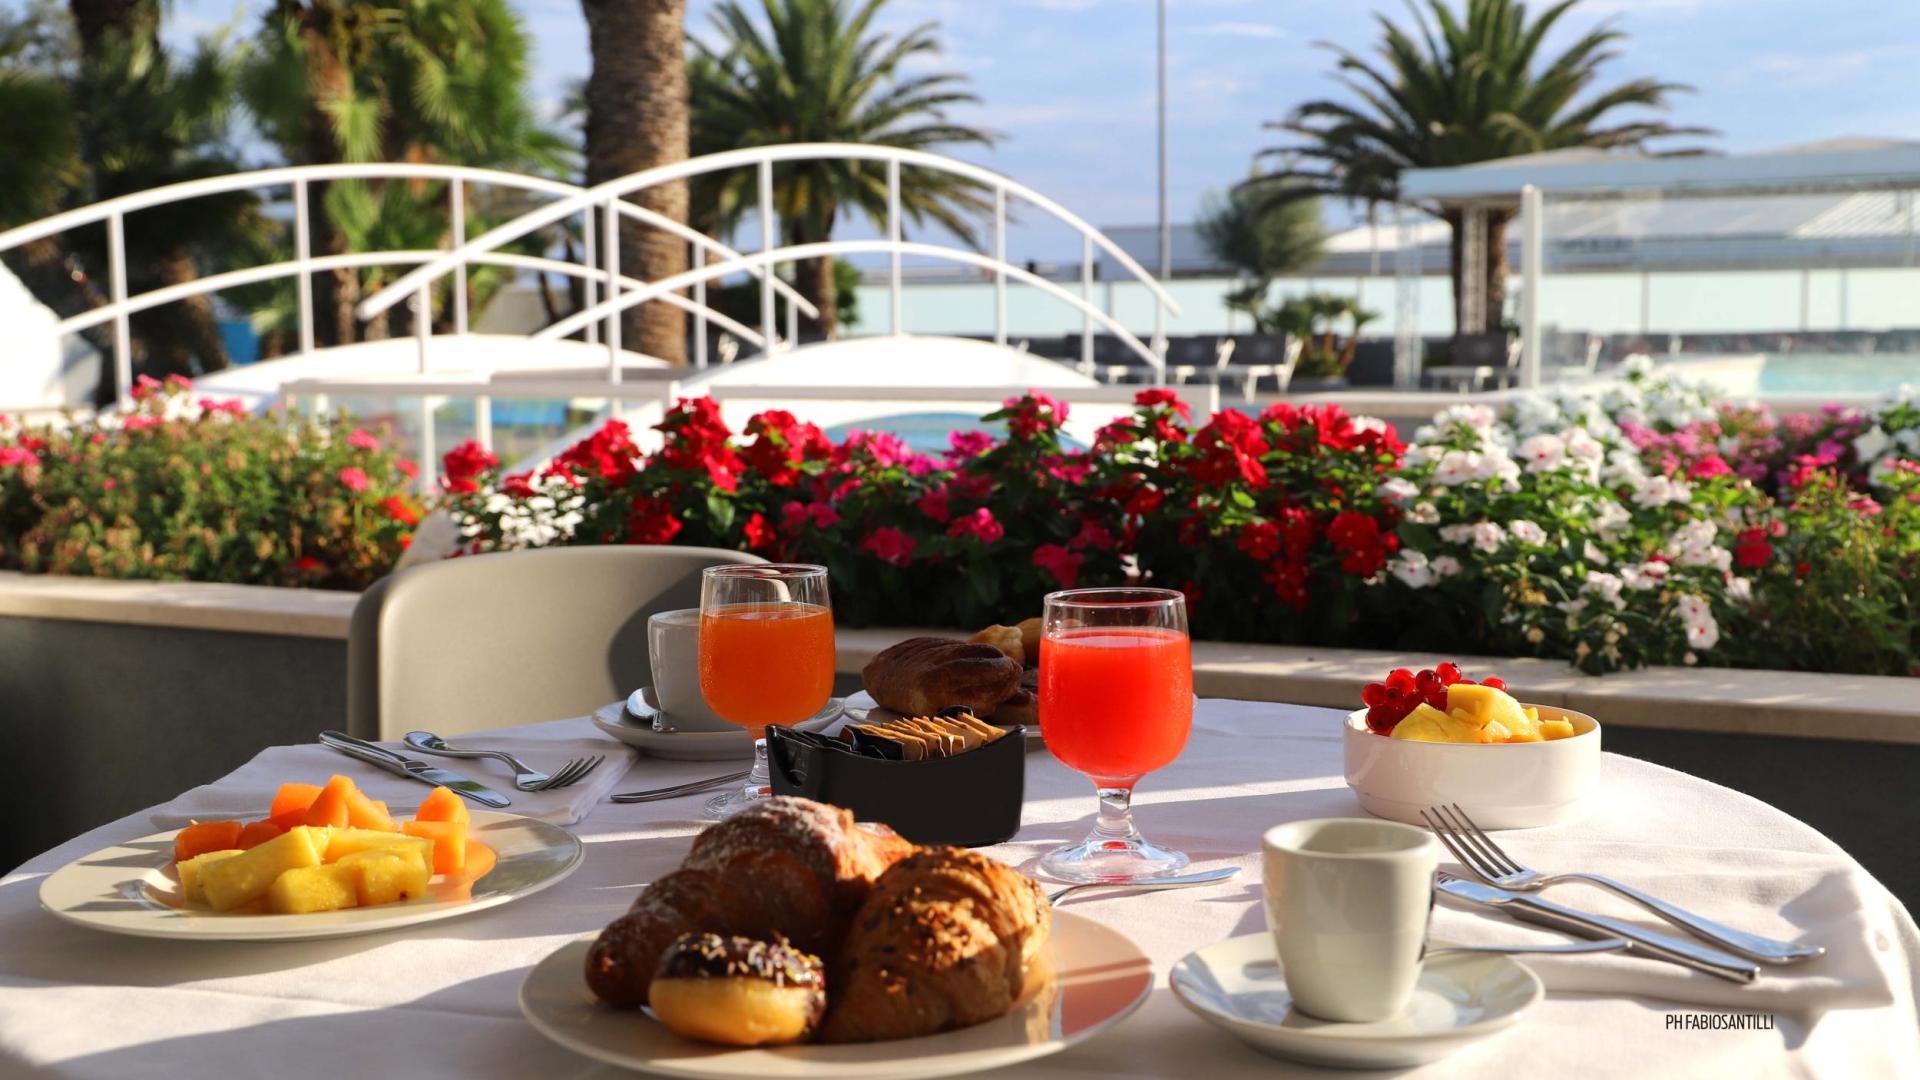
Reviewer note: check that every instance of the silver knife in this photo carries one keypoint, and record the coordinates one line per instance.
(1647, 942)
(413, 768)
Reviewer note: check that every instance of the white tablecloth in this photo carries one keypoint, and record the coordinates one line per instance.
(439, 1000)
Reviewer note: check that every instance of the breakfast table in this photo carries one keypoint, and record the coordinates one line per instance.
(440, 999)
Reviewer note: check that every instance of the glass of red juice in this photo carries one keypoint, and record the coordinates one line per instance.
(1116, 703)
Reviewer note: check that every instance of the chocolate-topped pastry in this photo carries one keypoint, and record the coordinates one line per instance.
(738, 991)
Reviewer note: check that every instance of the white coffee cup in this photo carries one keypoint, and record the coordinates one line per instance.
(1348, 900)
(673, 651)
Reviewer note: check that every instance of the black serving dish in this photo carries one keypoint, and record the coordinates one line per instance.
(971, 799)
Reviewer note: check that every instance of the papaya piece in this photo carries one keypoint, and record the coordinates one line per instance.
(443, 805)
(330, 806)
(449, 843)
(364, 813)
(255, 833)
(293, 797)
(204, 836)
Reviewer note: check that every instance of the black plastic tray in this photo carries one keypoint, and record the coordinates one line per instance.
(970, 800)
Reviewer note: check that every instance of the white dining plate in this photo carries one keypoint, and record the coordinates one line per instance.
(1101, 976)
(1238, 985)
(131, 889)
(637, 731)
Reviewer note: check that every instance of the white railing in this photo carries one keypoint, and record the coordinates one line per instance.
(605, 201)
(121, 306)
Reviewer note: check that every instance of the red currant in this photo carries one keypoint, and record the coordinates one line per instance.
(1448, 671)
(1464, 682)
(1380, 720)
(1494, 681)
(1373, 694)
(1437, 697)
(1400, 679)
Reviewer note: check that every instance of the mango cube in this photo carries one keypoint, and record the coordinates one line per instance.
(346, 842)
(230, 883)
(308, 889)
(189, 872)
(389, 875)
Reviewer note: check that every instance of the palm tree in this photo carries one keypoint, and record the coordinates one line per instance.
(636, 98)
(392, 80)
(1450, 92)
(1262, 235)
(817, 71)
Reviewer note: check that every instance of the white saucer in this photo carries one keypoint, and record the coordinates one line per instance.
(1237, 985)
(637, 730)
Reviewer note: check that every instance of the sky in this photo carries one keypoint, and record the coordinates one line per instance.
(1069, 84)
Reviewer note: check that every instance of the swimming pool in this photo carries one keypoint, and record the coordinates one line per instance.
(1810, 374)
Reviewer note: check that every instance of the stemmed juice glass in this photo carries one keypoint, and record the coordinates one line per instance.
(1116, 703)
(766, 655)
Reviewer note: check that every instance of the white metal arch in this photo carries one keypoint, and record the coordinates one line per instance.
(607, 197)
(121, 306)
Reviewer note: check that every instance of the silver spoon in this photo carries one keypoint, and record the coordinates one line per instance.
(1177, 881)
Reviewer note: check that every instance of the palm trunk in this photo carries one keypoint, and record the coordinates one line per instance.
(183, 337)
(636, 120)
(1496, 268)
(814, 277)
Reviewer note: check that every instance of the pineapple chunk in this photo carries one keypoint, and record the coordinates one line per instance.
(345, 842)
(189, 872)
(307, 889)
(1428, 724)
(388, 875)
(1556, 729)
(1494, 732)
(232, 882)
(1482, 705)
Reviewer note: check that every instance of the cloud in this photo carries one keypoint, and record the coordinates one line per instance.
(1240, 29)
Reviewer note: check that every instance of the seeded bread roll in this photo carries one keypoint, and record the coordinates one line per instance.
(922, 676)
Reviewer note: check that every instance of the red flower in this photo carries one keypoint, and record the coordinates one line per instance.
(361, 439)
(519, 486)
(1233, 445)
(967, 444)
(608, 453)
(978, 524)
(401, 510)
(1157, 397)
(1751, 549)
(1034, 414)
(780, 444)
(1144, 501)
(231, 406)
(1064, 565)
(798, 515)
(934, 505)
(407, 468)
(1363, 546)
(890, 546)
(652, 522)
(697, 439)
(144, 387)
(16, 455)
(1092, 535)
(758, 532)
(464, 464)
(1710, 466)
(353, 479)
(307, 564)
(1260, 540)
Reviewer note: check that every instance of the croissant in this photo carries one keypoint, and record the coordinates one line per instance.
(783, 867)
(921, 676)
(947, 939)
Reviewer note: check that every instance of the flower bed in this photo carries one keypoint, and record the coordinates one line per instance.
(186, 488)
(1648, 526)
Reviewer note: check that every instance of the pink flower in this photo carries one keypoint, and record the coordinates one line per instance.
(109, 484)
(16, 455)
(145, 386)
(890, 546)
(978, 524)
(1709, 466)
(354, 479)
(141, 422)
(1064, 565)
(231, 406)
(1092, 535)
(362, 440)
(799, 514)
(934, 505)
(969, 443)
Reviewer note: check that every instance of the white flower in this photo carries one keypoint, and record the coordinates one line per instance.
(1487, 536)
(1740, 589)
(1412, 568)
(1605, 586)
(1424, 513)
(1703, 632)
(1370, 423)
(1397, 490)
(1445, 566)
(1908, 438)
(1661, 490)
(1612, 521)
(1543, 453)
(1693, 544)
(1593, 554)
(1648, 575)
(1623, 467)
(1456, 534)
(1459, 466)
(1526, 532)
(1871, 444)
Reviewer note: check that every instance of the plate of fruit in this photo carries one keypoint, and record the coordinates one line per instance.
(325, 861)
(1438, 737)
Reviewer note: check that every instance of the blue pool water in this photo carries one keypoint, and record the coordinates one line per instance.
(1811, 373)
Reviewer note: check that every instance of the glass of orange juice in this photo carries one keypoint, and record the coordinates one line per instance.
(766, 655)
(1116, 703)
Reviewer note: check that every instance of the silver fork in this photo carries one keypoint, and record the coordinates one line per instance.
(526, 778)
(1490, 863)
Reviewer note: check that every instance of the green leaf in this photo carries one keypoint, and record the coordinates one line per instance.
(719, 510)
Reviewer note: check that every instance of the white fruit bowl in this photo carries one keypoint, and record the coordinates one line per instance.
(1500, 785)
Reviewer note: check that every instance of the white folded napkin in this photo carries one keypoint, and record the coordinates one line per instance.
(1801, 896)
(247, 791)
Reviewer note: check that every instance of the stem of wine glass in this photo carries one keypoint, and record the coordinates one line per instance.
(759, 781)
(1114, 823)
